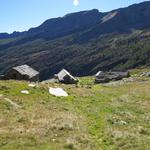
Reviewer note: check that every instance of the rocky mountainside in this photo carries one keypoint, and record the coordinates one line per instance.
(83, 42)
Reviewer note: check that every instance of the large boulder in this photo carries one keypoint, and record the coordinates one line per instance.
(103, 77)
(65, 77)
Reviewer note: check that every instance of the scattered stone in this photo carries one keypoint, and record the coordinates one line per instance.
(25, 92)
(117, 134)
(130, 79)
(123, 122)
(145, 74)
(31, 85)
(53, 140)
(120, 122)
(58, 92)
(50, 81)
(116, 121)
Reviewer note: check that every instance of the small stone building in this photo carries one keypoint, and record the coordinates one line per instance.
(102, 77)
(65, 77)
(23, 72)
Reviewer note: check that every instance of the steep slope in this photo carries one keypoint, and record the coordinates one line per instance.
(93, 22)
(70, 23)
(122, 51)
(83, 42)
(55, 28)
(124, 20)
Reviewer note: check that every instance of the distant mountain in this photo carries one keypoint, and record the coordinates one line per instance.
(13, 35)
(124, 20)
(68, 24)
(120, 20)
(82, 42)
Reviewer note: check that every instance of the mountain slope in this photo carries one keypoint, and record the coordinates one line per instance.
(70, 23)
(83, 42)
(13, 35)
(124, 20)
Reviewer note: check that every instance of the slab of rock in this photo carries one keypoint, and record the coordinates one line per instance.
(31, 85)
(25, 92)
(103, 77)
(65, 77)
(58, 92)
(145, 74)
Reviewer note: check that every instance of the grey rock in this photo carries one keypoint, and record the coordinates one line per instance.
(65, 77)
(145, 74)
(103, 77)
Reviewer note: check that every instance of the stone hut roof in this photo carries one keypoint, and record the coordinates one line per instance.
(66, 77)
(26, 70)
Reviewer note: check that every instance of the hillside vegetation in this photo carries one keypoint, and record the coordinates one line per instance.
(113, 116)
(82, 42)
(109, 52)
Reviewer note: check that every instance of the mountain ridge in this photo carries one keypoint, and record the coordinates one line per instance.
(73, 13)
(83, 42)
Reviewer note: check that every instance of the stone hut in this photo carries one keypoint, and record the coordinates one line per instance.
(23, 72)
(65, 77)
(102, 77)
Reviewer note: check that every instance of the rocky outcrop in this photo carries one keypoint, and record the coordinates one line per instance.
(103, 77)
(145, 74)
(65, 77)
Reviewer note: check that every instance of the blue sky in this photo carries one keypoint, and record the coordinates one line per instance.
(20, 15)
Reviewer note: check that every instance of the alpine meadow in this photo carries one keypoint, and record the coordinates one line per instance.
(76, 82)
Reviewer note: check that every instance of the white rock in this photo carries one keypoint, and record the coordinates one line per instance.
(53, 140)
(25, 92)
(31, 85)
(58, 92)
(123, 122)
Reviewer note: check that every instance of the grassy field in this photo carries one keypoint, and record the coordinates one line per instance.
(114, 116)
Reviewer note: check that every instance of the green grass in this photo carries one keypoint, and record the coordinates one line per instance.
(139, 71)
(92, 117)
(6, 41)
